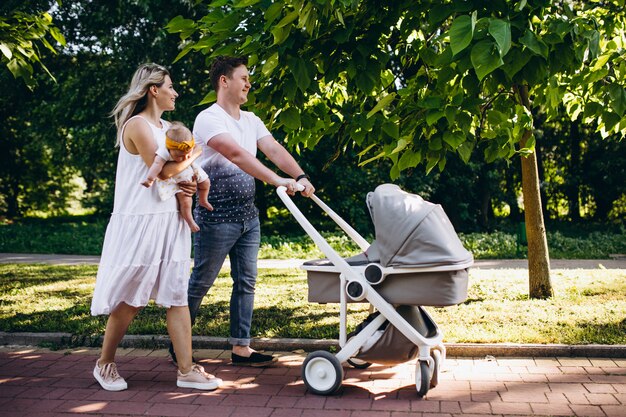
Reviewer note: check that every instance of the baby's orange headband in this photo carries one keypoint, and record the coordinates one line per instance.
(184, 146)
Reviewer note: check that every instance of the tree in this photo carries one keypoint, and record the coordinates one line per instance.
(421, 82)
(24, 29)
(60, 131)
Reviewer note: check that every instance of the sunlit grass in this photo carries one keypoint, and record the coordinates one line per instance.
(589, 307)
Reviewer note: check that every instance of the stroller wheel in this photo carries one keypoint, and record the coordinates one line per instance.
(422, 378)
(434, 378)
(322, 372)
(358, 363)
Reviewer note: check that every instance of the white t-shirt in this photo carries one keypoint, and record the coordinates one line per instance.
(232, 190)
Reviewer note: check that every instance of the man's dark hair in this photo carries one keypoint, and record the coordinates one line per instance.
(224, 65)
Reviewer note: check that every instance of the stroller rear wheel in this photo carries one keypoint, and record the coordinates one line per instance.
(322, 372)
(434, 378)
(422, 378)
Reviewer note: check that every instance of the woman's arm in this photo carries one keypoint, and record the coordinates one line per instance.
(172, 168)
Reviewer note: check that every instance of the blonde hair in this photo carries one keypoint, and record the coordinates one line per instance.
(178, 132)
(136, 99)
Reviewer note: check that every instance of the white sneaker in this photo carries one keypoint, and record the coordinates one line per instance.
(108, 378)
(197, 378)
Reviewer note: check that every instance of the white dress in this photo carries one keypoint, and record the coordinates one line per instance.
(147, 246)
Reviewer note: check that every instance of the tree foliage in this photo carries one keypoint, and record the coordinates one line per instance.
(25, 28)
(422, 82)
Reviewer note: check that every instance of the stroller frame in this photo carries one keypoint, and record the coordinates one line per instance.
(322, 372)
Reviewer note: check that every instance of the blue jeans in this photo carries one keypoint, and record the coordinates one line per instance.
(240, 241)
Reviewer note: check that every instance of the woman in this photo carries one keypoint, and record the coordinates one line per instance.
(147, 243)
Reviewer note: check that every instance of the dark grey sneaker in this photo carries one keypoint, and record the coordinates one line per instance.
(256, 360)
(173, 355)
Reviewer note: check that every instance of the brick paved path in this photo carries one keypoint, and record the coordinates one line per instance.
(38, 382)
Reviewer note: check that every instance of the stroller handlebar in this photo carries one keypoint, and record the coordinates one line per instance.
(308, 227)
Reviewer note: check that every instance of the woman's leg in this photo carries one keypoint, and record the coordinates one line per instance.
(179, 329)
(117, 324)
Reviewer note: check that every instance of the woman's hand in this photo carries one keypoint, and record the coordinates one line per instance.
(189, 187)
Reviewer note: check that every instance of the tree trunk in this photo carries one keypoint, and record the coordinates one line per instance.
(539, 282)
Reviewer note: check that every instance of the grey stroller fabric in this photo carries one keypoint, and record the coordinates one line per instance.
(411, 232)
(388, 345)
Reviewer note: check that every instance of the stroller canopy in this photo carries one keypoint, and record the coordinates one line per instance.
(411, 232)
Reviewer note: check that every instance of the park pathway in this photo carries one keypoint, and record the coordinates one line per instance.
(39, 382)
(617, 262)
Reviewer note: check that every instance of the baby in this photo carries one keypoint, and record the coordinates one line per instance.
(179, 144)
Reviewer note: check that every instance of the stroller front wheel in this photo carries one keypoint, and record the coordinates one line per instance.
(422, 378)
(322, 372)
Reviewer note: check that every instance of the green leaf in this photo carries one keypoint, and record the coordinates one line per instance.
(515, 61)
(432, 160)
(6, 51)
(430, 102)
(209, 98)
(365, 81)
(244, 3)
(465, 151)
(461, 33)
(182, 53)
(485, 58)
(501, 32)
(617, 93)
(290, 17)
(273, 12)
(290, 118)
(301, 74)
(382, 103)
(495, 117)
(454, 139)
(270, 64)
(531, 41)
(57, 35)
(392, 130)
(280, 34)
(228, 24)
(601, 61)
(409, 159)
(180, 24)
(442, 164)
(433, 116)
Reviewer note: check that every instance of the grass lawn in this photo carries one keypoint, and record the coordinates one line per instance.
(590, 307)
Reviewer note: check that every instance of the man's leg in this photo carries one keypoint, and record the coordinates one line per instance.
(211, 245)
(243, 264)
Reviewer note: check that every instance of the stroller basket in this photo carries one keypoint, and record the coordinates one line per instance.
(432, 288)
(388, 346)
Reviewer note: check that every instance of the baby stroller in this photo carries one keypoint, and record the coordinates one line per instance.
(415, 260)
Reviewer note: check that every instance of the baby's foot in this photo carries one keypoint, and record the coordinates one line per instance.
(206, 204)
(194, 227)
(147, 183)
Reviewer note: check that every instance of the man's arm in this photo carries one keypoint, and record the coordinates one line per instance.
(226, 145)
(277, 153)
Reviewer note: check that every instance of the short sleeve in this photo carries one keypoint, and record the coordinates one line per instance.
(207, 125)
(261, 129)
(163, 153)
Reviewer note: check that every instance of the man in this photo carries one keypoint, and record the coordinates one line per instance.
(230, 138)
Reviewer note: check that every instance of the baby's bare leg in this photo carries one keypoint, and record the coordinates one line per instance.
(184, 204)
(203, 194)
